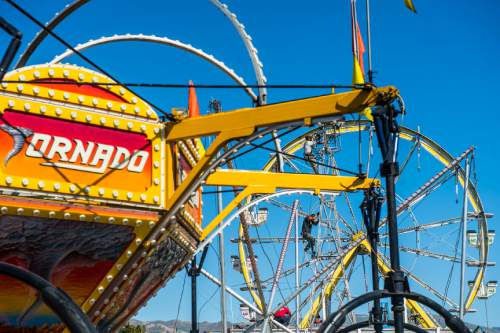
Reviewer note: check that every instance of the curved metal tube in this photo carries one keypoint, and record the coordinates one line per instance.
(165, 41)
(367, 323)
(56, 299)
(258, 67)
(40, 36)
(252, 51)
(333, 323)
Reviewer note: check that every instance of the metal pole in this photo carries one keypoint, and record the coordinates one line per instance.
(280, 264)
(194, 307)
(369, 39)
(397, 275)
(222, 268)
(297, 298)
(387, 135)
(464, 240)
(241, 299)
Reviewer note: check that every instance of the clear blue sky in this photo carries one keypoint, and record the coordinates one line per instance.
(444, 60)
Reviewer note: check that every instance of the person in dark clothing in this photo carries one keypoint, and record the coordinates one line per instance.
(307, 224)
(283, 316)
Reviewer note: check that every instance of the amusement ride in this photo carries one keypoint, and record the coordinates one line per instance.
(82, 250)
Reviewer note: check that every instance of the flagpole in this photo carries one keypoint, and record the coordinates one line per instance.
(368, 28)
(354, 30)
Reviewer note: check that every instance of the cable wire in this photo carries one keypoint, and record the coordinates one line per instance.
(304, 159)
(208, 300)
(179, 305)
(265, 142)
(85, 58)
(201, 86)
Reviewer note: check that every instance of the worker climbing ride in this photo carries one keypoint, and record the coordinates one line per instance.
(307, 224)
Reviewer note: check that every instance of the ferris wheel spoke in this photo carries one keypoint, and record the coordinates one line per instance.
(407, 158)
(440, 256)
(285, 206)
(291, 164)
(316, 276)
(429, 288)
(430, 186)
(432, 225)
(332, 206)
(353, 216)
(425, 285)
(288, 272)
(420, 194)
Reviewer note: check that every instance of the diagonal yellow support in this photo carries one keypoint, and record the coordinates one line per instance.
(423, 318)
(232, 205)
(335, 277)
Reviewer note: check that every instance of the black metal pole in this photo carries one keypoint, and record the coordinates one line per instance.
(193, 272)
(371, 216)
(387, 134)
(376, 204)
(397, 278)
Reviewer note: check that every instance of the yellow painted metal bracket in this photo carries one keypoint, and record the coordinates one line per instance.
(243, 122)
(267, 182)
(272, 114)
(238, 199)
(290, 180)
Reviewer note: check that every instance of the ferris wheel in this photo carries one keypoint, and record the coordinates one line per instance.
(429, 228)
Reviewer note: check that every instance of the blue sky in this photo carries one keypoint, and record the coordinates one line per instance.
(444, 61)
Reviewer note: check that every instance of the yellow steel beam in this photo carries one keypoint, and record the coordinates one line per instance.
(272, 114)
(232, 205)
(243, 122)
(335, 277)
(423, 318)
(290, 180)
(203, 162)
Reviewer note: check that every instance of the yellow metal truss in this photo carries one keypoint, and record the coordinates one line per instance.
(258, 182)
(239, 123)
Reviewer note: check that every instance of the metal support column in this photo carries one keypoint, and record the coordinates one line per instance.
(370, 209)
(194, 306)
(194, 272)
(297, 282)
(464, 238)
(387, 131)
(222, 268)
(368, 29)
(280, 264)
